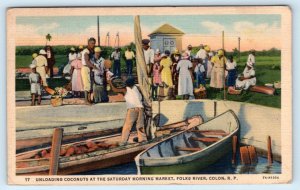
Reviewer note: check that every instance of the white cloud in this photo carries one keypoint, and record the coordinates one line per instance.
(23, 30)
(213, 27)
(251, 29)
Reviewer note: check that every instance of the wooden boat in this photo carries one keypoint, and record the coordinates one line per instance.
(95, 153)
(191, 150)
(41, 137)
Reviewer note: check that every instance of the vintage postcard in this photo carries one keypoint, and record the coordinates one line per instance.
(149, 95)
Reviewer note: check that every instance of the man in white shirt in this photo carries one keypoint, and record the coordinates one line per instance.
(202, 54)
(129, 56)
(85, 71)
(149, 55)
(135, 113)
(116, 56)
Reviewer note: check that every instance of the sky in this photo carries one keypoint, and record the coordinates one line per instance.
(255, 31)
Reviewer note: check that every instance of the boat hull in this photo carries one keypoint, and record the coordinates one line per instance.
(194, 166)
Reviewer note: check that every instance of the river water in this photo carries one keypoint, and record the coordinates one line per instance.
(223, 166)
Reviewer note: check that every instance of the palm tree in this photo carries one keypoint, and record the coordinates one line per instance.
(48, 38)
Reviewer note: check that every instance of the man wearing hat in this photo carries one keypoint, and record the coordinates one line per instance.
(116, 57)
(148, 55)
(41, 65)
(217, 73)
(99, 91)
(50, 60)
(201, 54)
(135, 112)
(248, 77)
(85, 71)
(35, 85)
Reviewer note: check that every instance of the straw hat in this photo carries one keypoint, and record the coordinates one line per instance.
(34, 55)
(97, 49)
(176, 52)
(72, 49)
(207, 48)
(80, 47)
(42, 52)
(220, 52)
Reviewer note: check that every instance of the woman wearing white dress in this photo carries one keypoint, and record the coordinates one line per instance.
(185, 82)
(248, 79)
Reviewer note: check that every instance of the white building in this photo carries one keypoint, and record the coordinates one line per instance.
(166, 37)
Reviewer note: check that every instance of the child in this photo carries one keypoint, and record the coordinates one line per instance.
(35, 81)
(200, 74)
(156, 79)
(231, 69)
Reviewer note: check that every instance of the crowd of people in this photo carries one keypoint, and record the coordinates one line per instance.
(171, 73)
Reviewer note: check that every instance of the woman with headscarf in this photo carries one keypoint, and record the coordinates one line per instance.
(185, 82)
(218, 72)
(166, 74)
(248, 78)
(77, 85)
(175, 57)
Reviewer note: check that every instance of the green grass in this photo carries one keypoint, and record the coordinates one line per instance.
(267, 71)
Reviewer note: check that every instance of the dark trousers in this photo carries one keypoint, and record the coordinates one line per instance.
(129, 65)
(154, 91)
(117, 68)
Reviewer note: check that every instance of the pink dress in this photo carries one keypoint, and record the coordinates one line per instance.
(156, 74)
(77, 84)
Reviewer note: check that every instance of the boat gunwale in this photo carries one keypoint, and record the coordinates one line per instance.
(65, 163)
(179, 159)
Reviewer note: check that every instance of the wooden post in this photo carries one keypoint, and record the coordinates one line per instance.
(234, 145)
(245, 158)
(223, 48)
(98, 30)
(215, 108)
(239, 48)
(55, 150)
(252, 155)
(270, 154)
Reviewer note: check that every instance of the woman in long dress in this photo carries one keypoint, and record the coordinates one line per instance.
(175, 57)
(77, 84)
(185, 83)
(218, 70)
(166, 74)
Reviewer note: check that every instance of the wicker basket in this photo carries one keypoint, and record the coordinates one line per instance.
(56, 101)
